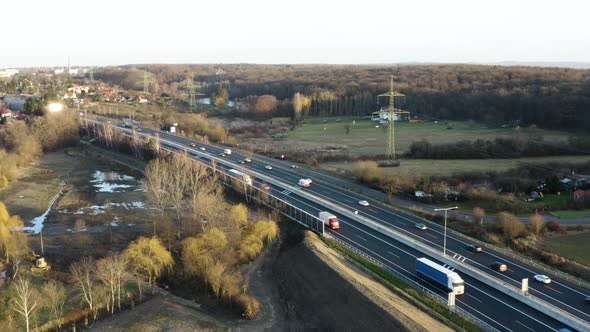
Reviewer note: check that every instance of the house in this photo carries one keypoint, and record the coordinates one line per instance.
(70, 95)
(5, 113)
(576, 181)
(579, 195)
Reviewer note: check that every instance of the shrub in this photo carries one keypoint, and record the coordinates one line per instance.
(248, 306)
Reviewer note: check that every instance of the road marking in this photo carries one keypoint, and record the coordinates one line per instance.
(432, 235)
(524, 325)
(361, 237)
(392, 254)
(473, 297)
(553, 289)
(285, 192)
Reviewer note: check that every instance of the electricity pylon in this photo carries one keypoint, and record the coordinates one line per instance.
(91, 74)
(192, 94)
(146, 82)
(390, 152)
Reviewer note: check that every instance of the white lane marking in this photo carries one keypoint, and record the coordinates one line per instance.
(392, 254)
(432, 235)
(524, 325)
(473, 297)
(362, 238)
(553, 289)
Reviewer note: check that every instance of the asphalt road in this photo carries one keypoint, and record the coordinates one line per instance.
(488, 304)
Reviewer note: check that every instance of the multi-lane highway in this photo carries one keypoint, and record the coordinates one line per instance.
(495, 308)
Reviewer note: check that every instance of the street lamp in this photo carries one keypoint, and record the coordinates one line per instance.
(55, 107)
(445, 238)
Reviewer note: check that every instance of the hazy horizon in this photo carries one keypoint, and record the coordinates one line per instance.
(113, 33)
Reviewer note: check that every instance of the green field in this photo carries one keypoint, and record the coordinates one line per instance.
(575, 246)
(365, 139)
(572, 214)
(430, 167)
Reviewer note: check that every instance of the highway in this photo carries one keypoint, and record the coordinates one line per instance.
(500, 311)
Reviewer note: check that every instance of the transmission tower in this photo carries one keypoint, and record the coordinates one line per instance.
(146, 81)
(390, 152)
(91, 74)
(192, 94)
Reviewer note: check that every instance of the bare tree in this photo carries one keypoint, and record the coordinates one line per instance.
(297, 106)
(24, 302)
(84, 275)
(536, 224)
(175, 185)
(200, 182)
(156, 175)
(54, 295)
(479, 214)
(510, 226)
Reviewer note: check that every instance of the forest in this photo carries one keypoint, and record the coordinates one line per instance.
(554, 98)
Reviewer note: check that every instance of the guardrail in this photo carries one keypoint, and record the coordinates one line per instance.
(536, 303)
(415, 284)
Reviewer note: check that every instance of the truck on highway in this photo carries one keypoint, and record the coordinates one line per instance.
(227, 151)
(129, 123)
(238, 174)
(329, 220)
(306, 183)
(440, 275)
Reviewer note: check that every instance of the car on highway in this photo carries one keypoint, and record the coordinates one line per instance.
(222, 154)
(542, 278)
(421, 226)
(473, 247)
(248, 160)
(364, 203)
(268, 167)
(499, 266)
(266, 187)
(294, 166)
(193, 145)
(241, 161)
(202, 148)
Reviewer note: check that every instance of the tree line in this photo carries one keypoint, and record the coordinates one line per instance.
(23, 142)
(547, 97)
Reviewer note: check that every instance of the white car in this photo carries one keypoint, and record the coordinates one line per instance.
(542, 278)
(294, 166)
(268, 167)
(364, 203)
(248, 160)
(202, 148)
(421, 226)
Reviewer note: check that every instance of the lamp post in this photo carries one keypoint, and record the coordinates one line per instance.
(445, 237)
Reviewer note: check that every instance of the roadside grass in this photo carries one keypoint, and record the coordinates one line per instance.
(571, 214)
(429, 167)
(420, 299)
(364, 138)
(574, 245)
(552, 201)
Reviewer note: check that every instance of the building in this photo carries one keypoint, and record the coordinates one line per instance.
(5, 113)
(383, 115)
(6, 73)
(14, 103)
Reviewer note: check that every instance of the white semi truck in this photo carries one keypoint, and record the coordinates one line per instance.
(443, 277)
(329, 220)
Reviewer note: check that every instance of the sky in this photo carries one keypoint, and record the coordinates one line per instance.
(98, 33)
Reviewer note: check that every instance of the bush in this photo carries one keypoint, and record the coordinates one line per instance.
(248, 306)
(555, 227)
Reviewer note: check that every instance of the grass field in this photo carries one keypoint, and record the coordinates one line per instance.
(572, 214)
(429, 167)
(574, 245)
(365, 139)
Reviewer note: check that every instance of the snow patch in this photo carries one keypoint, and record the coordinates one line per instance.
(107, 182)
(37, 226)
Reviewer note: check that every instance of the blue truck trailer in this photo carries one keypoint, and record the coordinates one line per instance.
(443, 277)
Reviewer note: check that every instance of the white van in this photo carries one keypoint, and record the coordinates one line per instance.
(227, 151)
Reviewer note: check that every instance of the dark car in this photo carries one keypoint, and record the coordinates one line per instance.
(500, 267)
(473, 247)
